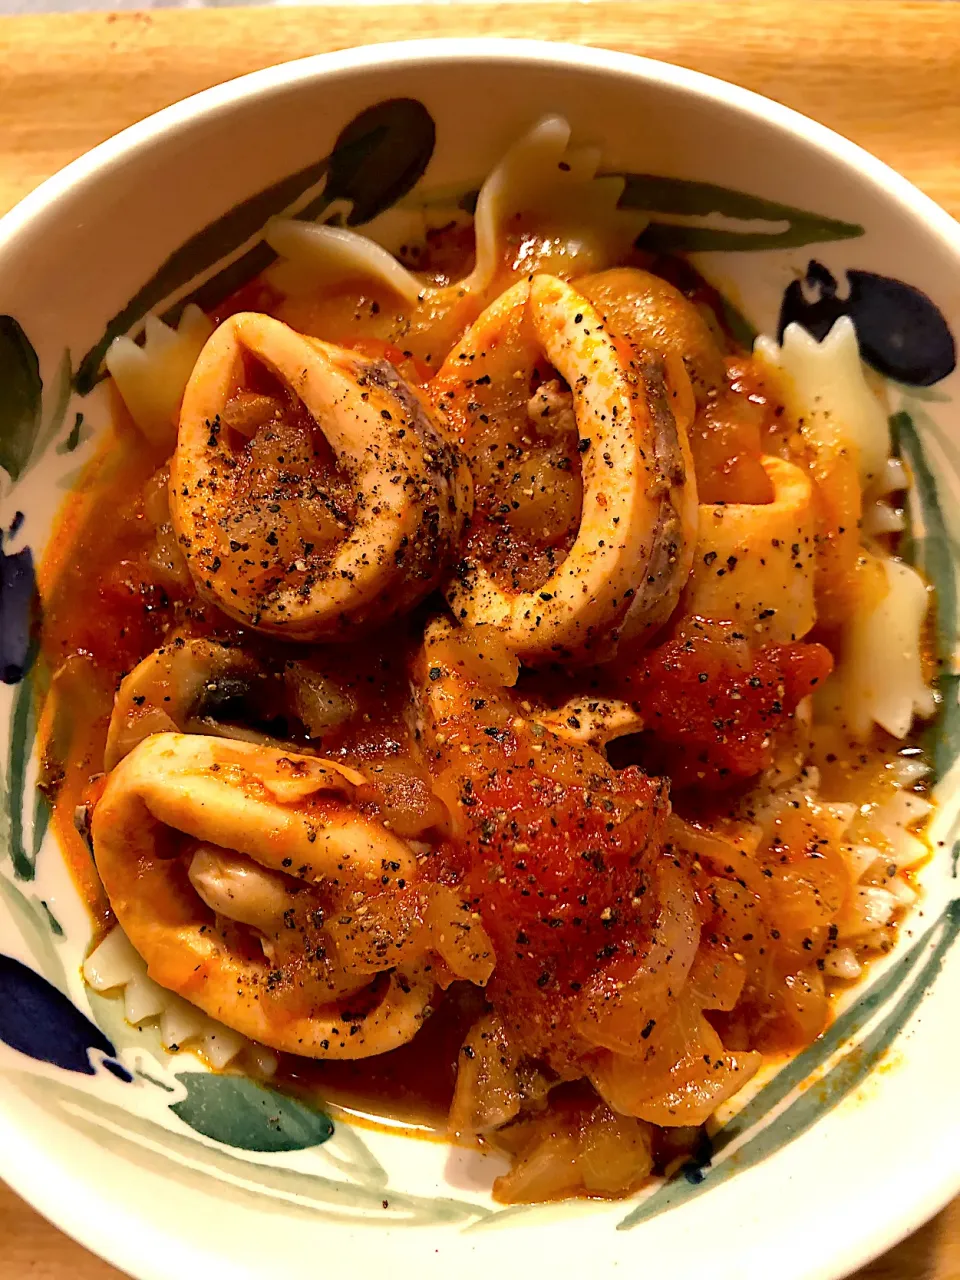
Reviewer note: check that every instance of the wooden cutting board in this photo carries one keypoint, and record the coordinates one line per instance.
(884, 72)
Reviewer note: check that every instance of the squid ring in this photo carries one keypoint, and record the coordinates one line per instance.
(755, 562)
(632, 553)
(273, 805)
(276, 812)
(408, 488)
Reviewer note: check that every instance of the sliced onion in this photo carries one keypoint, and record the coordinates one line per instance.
(621, 1006)
(484, 652)
(80, 695)
(248, 411)
(487, 1093)
(842, 963)
(564, 1153)
(696, 1097)
(167, 560)
(404, 797)
(459, 937)
(615, 1154)
(697, 1082)
(384, 932)
(547, 1172)
(156, 500)
(716, 979)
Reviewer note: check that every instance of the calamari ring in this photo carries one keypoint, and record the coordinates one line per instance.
(264, 805)
(632, 553)
(270, 804)
(412, 492)
(755, 563)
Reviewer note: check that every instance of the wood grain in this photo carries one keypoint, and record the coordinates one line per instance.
(883, 72)
(32, 1249)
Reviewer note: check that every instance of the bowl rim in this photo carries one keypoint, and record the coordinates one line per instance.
(134, 1243)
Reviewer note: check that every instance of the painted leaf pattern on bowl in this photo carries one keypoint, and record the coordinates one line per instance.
(241, 1113)
(40, 1021)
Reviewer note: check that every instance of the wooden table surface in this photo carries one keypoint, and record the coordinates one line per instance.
(884, 72)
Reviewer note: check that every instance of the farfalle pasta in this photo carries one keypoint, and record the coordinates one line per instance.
(490, 701)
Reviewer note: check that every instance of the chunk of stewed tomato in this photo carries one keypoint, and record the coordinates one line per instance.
(557, 844)
(712, 706)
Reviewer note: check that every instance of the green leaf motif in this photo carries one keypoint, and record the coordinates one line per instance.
(39, 930)
(22, 734)
(377, 159)
(931, 549)
(686, 198)
(21, 389)
(56, 928)
(219, 238)
(240, 1113)
(58, 396)
(661, 237)
(736, 323)
(214, 1171)
(73, 437)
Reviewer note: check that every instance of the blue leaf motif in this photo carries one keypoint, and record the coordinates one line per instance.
(38, 1020)
(18, 598)
(902, 333)
(118, 1070)
(377, 158)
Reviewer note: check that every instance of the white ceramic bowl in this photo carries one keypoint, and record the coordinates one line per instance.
(159, 1172)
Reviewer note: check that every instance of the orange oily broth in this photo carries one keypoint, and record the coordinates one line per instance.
(411, 1087)
(111, 631)
(413, 1084)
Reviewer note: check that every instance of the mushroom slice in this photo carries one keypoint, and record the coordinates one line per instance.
(341, 509)
(207, 847)
(195, 685)
(171, 687)
(631, 554)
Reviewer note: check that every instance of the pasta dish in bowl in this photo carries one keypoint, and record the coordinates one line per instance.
(494, 700)
(478, 615)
